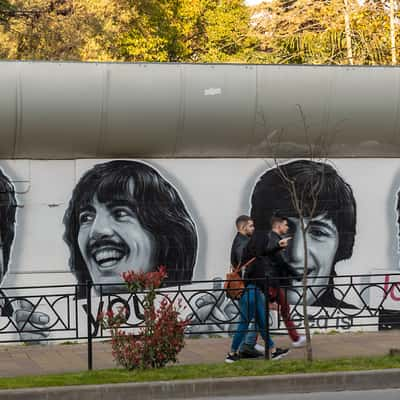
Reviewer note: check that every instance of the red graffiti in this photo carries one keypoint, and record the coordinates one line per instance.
(394, 290)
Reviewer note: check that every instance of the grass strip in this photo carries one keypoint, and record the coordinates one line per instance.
(199, 371)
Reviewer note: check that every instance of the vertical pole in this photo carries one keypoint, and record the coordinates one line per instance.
(393, 31)
(348, 32)
(89, 326)
(267, 331)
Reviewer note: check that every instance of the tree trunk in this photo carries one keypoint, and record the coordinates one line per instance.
(348, 32)
(309, 355)
(392, 33)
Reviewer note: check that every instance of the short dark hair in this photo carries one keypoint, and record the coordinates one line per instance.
(157, 206)
(241, 220)
(335, 199)
(8, 207)
(277, 219)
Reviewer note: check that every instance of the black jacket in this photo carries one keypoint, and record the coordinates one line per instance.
(238, 245)
(269, 260)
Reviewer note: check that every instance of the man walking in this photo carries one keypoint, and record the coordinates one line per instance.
(277, 268)
(245, 229)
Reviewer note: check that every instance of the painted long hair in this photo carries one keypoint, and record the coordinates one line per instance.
(156, 204)
(335, 199)
(8, 206)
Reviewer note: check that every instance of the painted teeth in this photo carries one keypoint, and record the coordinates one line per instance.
(104, 255)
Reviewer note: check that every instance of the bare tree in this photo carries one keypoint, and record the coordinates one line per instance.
(393, 32)
(348, 31)
(305, 199)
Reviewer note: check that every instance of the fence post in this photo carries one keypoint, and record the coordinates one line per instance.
(89, 325)
(266, 294)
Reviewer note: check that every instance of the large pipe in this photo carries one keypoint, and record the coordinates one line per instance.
(72, 110)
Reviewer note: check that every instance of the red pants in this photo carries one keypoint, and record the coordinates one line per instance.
(278, 294)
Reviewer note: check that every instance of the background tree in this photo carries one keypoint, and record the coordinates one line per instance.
(314, 31)
(188, 30)
(127, 30)
(305, 198)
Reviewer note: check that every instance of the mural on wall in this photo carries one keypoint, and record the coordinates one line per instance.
(124, 215)
(332, 227)
(19, 312)
(106, 217)
(8, 207)
(330, 237)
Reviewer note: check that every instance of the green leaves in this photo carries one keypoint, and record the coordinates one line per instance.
(277, 31)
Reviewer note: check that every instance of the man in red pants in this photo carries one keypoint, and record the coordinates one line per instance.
(281, 268)
(275, 267)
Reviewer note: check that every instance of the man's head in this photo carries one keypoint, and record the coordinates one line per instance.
(245, 225)
(123, 215)
(8, 205)
(331, 217)
(279, 224)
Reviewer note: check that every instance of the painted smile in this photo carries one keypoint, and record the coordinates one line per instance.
(107, 254)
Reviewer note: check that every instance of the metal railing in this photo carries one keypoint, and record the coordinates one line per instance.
(61, 312)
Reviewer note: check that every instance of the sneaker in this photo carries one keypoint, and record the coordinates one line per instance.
(279, 353)
(231, 358)
(300, 342)
(260, 348)
(248, 351)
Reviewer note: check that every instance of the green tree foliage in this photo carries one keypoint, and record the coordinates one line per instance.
(188, 30)
(65, 30)
(276, 31)
(127, 30)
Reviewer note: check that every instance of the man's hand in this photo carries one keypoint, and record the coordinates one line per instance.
(28, 321)
(284, 242)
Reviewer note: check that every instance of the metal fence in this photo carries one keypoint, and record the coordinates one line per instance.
(70, 312)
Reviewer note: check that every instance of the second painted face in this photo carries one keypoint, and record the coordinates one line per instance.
(112, 241)
(322, 244)
(1, 259)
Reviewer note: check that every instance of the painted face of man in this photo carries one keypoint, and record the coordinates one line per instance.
(1, 259)
(112, 241)
(322, 243)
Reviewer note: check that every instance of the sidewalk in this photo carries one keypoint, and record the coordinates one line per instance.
(58, 358)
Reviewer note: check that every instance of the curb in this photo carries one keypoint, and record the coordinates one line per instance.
(240, 386)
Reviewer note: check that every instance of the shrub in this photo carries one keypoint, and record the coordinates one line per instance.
(160, 339)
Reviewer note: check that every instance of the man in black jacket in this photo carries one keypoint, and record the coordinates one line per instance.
(245, 229)
(268, 247)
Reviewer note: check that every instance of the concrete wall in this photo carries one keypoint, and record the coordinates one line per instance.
(196, 199)
(61, 110)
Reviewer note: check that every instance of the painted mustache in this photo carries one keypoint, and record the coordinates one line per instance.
(107, 252)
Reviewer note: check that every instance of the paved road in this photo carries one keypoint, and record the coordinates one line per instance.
(388, 394)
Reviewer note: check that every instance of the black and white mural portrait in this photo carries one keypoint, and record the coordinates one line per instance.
(73, 221)
(331, 229)
(124, 215)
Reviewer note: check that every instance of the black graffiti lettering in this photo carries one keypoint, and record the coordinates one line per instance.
(322, 323)
(124, 304)
(138, 314)
(94, 321)
(348, 322)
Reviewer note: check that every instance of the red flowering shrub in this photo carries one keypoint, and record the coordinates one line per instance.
(161, 338)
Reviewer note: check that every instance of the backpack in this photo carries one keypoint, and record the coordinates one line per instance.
(234, 284)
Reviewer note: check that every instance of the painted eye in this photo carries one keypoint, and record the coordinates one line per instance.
(86, 217)
(121, 213)
(319, 233)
